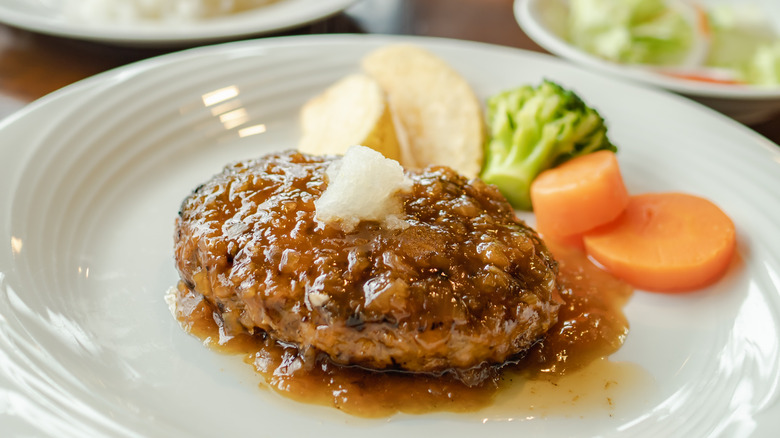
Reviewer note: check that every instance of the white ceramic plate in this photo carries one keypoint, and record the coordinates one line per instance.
(47, 16)
(92, 177)
(544, 21)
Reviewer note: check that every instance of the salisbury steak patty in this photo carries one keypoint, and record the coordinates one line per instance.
(463, 285)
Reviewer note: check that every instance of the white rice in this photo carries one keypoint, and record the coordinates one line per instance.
(155, 10)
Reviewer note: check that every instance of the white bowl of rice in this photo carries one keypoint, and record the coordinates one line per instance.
(156, 10)
(164, 23)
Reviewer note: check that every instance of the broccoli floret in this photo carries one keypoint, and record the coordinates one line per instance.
(532, 129)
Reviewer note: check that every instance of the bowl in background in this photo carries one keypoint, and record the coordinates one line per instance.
(545, 22)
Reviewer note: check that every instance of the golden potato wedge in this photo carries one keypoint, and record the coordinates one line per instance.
(353, 111)
(439, 112)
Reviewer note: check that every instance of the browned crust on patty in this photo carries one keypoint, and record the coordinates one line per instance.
(464, 285)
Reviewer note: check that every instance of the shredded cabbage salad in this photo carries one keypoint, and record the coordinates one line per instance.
(729, 43)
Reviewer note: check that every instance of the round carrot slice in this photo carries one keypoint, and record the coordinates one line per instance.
(578, 195)
(665, 242)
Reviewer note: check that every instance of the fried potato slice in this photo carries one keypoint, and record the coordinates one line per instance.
(353, 111)
(439, 112)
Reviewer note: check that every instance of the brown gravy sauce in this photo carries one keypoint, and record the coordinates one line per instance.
(566, 374)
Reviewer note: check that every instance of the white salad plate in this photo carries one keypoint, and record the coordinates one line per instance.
(545, 22)
(50, 17)
(92, 177)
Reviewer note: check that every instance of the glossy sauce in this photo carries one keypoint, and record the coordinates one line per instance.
(564, 374)
(460, 285)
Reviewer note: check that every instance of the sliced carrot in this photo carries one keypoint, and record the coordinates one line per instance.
(578, 195)
(703, 20)
(702, 78)
(665, 242)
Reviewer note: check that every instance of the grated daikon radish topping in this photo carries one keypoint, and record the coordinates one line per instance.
(363, 185)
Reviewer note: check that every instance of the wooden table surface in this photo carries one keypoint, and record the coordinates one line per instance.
(33, 65)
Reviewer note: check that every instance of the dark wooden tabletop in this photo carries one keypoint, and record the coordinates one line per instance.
(33, 65)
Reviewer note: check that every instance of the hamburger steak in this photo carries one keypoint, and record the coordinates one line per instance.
(462, 286)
